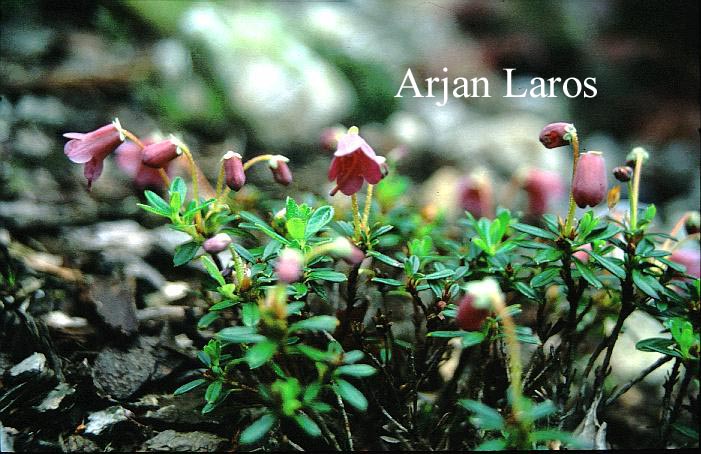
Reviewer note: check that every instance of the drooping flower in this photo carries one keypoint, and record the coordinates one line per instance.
(475, 194)
(233, 170)
(354, 162)
(589, 183)
(693, 223)
(581, 254)
(690, 258)
(289, 265)
(159, 154)
(542, 187)
(556, 134)
(129, 156)
(281, 171)
(217, 243)
(469, 317)
(93, 147)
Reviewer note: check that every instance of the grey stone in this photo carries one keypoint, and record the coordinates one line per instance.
(33, 143)
(170, 440)
(31, 366)
(77, 443)
(114, 302)
(47, 110)
(106, 420)
(57, 398)
(120, 373)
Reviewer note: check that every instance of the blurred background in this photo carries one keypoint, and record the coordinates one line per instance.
(271, 77)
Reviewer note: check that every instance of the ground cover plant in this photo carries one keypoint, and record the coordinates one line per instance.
(374, 326)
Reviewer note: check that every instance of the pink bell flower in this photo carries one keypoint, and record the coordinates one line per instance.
(690, 258)
(159, 154)
(92, 148)
(469, 317)
(289, 265)
(129, 156)
(281, 171)
(354, 162)
(233, 170)
(556, 134)
(589, 184)
(542, 187)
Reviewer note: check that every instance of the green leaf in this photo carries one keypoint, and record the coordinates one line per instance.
(185, 252)
(319, 219)
(659, 345)
(485, 417)
(158, 203)
(295, 227)
(326, 275)
(221, 305)
(647, 284)
(175, 203)
(317, 323)
(351, 394)
(544, 277)
(540, 411)
(240, 335)
(385, 259)
(608, 264)
(535, 231)
(212, 270)
(586, 273)
(213, 391)
(353, 356)
(207, 319)
(178, 186)
(439, 274)
(471, 338)
(256, 223)
(258, 429)
(189, 386)
(307, 424)
(250, 314)
(315, 354)
(387, 281)
(260, 353)
(153, 210)
(553, 434)
(525, 290)
(446, 334)
(356, 370)
(497, 444)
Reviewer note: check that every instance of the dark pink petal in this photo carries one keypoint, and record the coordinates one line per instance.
(589, 183)
(159, 154)
(333, 170)
(351, 185)
(93, 170)
(371, 170)
(233, 171)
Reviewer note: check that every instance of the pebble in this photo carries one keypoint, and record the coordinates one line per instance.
(170, 440)
(120, 374)
(56, 398)
(106, 420)
(31, 366)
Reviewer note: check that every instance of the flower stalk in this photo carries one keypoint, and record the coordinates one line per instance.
(574, 141)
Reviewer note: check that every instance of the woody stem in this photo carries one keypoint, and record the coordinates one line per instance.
(575, 157)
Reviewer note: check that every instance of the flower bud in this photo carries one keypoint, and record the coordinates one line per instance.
(589, 183)
(289, 265)
(281, 172)
(690, 258)
(581, 254)
(623, 173)
(233, 170)
(159, 154)
(330, 136)
(217, 243)
(692, 223)
(556, 134)
(475, 194)
(469, 317)
(541, 186)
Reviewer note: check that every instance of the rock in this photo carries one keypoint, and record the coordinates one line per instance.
(47, 110)
(7, 438)
(126, 237)
(183, 413)
(106, 420)
(25, 214)
(57, 398)
(33, 143)
(31, 366)
(120, 374)
(114, 302)
(170, 440)
(76, 443)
